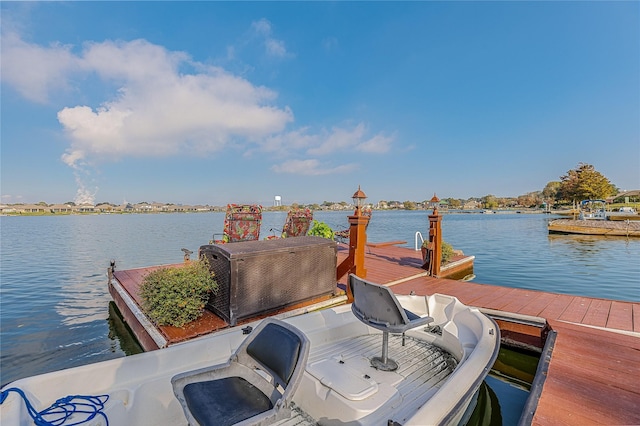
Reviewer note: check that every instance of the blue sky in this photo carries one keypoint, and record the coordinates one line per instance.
(217, 102)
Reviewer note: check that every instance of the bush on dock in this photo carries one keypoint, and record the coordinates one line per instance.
(321, 229)
(447, 252)
(446, 248)
(176, 296)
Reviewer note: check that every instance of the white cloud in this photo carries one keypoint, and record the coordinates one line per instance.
(311, 167)
(379, 144)
(295, 140)
(164, 103)
(34, 70)
(159, 109)
(273, 47)
(350, 139)
(262, 27)
(325, 142)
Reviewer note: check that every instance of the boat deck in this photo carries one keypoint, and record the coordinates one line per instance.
(416, 379)
(595, 366)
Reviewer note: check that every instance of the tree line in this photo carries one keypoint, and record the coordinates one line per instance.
(582, 183)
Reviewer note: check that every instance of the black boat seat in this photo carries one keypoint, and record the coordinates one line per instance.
(377, 306)
(238, 391)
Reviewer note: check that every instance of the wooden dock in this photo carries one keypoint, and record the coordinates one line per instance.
(607, 228)
(594, 370)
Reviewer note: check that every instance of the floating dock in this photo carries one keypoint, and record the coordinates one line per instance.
(590, 364)
(608, 228)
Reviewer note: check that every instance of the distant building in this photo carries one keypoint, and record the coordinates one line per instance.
(61, 208)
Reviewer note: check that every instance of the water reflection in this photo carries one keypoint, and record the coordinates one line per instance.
(120, 334)
(487, 410)
(504, 392)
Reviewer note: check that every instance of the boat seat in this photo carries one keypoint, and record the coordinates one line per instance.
(377, 306)
(255, 386)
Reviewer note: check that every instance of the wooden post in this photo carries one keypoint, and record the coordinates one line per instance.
(354, 263)
(433, 252)
(358, 234)
(435, 241)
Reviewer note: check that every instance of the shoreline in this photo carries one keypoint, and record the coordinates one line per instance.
(267, 209)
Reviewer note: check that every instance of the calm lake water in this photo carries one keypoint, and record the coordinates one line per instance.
(54, 302)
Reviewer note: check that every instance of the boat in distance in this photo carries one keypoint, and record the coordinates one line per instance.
(433, 362)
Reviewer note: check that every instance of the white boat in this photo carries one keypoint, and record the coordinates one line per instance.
(439, 365)
(593, 210)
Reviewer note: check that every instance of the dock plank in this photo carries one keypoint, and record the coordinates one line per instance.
(557, 306)
(620, 316)
(598, 313)
(537, 305)
(576, 310)
(592, 378)
(526, 297)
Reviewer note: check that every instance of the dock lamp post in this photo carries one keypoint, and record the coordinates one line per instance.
(354, 263)
(434, 202)
(434, 248)
(358, 199)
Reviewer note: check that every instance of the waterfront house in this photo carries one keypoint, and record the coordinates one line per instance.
(32, 208)
(104, 208)
(472, 205)
(85, 208)
(61, 208)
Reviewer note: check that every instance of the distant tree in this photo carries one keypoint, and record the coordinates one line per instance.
(42, 203)
(505, 202)
(584, 183)
(409, 205)
(454, 203)
(489, 201)
(509, 202)
(531, 199)
(550, 192)
(70, 203)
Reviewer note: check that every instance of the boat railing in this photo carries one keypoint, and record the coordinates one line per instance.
(418, 236)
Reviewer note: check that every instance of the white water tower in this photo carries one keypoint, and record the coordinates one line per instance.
(277, 201)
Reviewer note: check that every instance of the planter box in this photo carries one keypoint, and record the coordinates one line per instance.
(256, 277)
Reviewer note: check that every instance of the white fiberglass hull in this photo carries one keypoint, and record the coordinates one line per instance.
(349, 391)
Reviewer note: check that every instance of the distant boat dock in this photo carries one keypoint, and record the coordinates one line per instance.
(610, 228)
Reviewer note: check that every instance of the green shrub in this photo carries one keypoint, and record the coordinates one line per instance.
(321, 229)
(176, 296)
(447, 252)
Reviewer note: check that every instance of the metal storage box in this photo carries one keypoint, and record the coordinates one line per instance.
(259, 276)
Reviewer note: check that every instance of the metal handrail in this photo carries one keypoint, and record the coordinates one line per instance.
(418, 234)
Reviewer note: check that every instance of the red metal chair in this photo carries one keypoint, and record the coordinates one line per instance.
(241, 223)
(297, 224)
